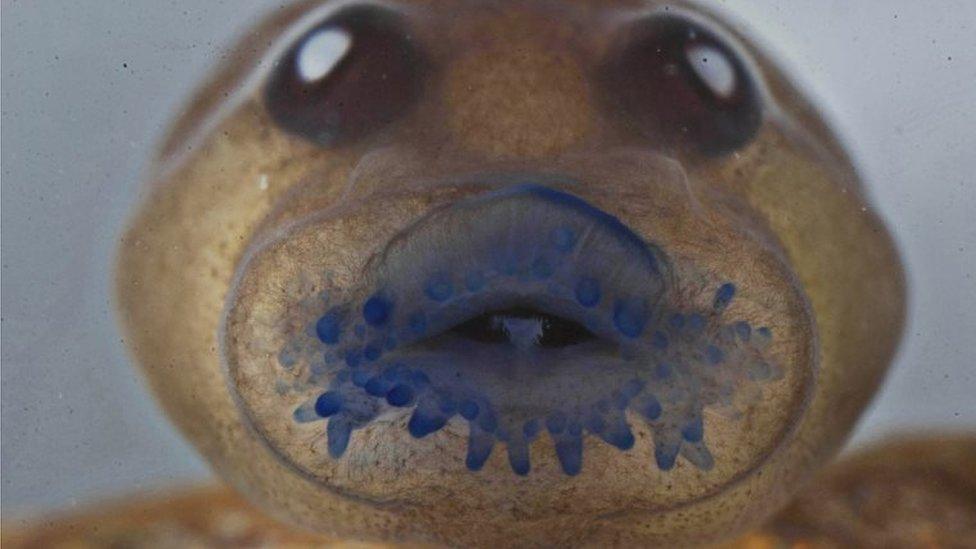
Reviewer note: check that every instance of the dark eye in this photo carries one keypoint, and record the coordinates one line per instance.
(352, 74)
(679, 83)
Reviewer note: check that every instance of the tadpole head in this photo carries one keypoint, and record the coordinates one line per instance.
(557, 274)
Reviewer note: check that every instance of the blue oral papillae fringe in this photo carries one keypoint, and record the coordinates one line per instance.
(565, 260)
(362, 390)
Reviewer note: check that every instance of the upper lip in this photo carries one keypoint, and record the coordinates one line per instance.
(525, 245)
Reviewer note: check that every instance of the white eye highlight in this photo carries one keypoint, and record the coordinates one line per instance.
(714, 69)
(322, 52)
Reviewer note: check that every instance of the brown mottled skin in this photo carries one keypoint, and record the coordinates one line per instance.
(513, 90)
(908, 491)
(911, 490)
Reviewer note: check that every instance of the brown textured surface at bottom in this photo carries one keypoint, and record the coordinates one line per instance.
(203, 517)
(908, 492)
(905, 493)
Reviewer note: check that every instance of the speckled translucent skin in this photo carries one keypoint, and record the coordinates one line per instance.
(503, 298)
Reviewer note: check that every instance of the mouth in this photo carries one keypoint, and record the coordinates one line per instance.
(529, 310)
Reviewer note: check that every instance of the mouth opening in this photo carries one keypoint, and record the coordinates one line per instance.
(523, 327)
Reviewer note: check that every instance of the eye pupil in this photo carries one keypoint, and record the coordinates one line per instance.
(352, 74)
(679, 83)
(522, 326)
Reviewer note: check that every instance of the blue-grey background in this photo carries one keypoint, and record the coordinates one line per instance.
(88, 87)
